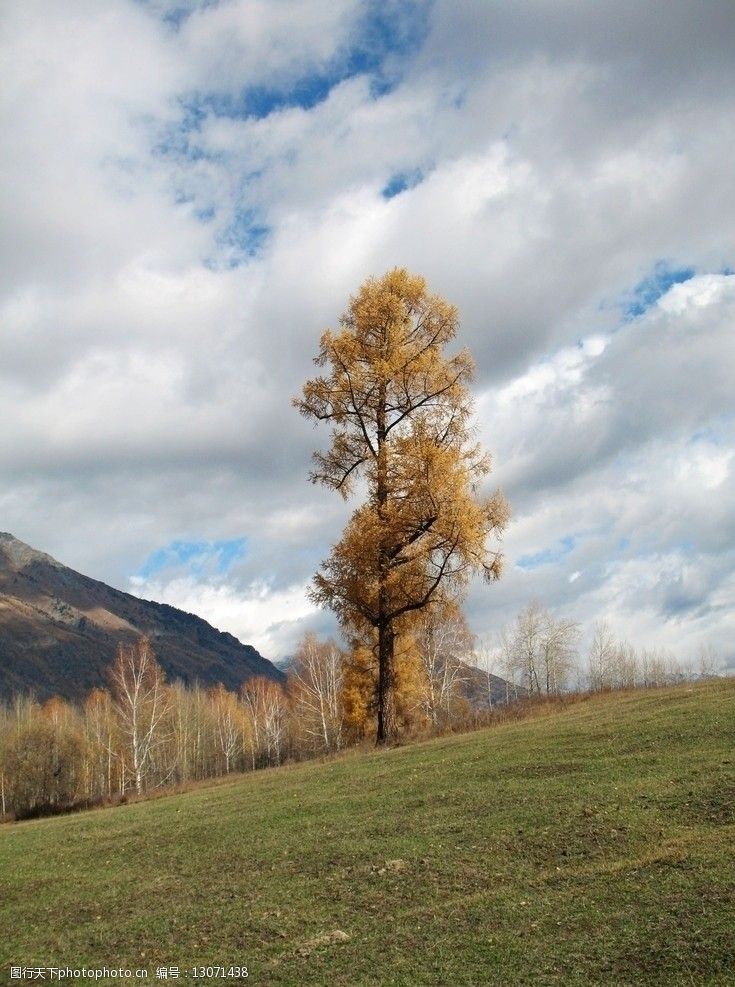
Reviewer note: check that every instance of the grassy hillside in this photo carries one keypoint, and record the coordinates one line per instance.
(589, 846)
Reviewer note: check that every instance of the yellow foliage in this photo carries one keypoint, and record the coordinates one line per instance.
(400, 411)
(358, 691)
(409, 685)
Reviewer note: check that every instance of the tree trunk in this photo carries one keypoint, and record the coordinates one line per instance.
(386, 703)
(386, 716)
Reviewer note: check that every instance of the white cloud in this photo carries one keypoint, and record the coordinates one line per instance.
(269, 619)
(564, 151)
(271, 44)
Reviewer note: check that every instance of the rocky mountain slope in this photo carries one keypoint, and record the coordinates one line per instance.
(483, 690)
(59, 630)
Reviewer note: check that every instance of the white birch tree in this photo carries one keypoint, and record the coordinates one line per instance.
(315, 683)
(141, 703)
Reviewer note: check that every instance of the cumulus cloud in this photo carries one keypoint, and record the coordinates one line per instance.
(193, 190)
(618, 454)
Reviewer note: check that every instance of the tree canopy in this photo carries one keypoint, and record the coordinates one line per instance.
(400, 412)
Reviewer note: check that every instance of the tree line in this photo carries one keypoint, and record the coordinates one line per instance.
(541, 653)
(142, 732)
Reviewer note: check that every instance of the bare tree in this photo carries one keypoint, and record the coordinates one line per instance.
(141, 703)
(601, 657)
(521, 646)
(102, 741)
(315, 683)
(512, 668)
(487, 657)
(444, 640)
(558, 651)
(227, 728)
(625, 669)
(184, 724)
(657, 667)
(539, 650)
(266, 712)
(708, 666)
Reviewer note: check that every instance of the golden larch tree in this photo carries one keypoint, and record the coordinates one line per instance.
(400, 413)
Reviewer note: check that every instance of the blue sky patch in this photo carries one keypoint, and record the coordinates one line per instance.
(387, 32)
(179, 140)
(258, 102)
(648, 291)
(246, 235)
(195, 557)
(401, 181)
(547, 556)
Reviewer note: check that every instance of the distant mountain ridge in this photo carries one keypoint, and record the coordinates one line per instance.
(483, 690)
(59, 630)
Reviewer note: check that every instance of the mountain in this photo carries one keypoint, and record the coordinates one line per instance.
(482, 690)
(59, 630)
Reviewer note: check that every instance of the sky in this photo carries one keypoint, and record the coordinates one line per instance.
(191, 192)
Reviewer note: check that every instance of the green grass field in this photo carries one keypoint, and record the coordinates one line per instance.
(588, 846)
